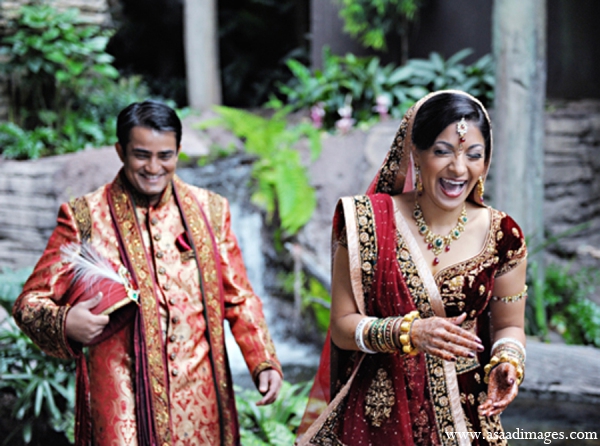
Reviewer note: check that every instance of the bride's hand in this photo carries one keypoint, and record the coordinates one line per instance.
(502, 389)
(443, 337)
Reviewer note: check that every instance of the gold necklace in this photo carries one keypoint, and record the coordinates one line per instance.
(438, 243)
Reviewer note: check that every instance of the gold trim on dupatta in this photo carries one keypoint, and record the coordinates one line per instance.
(319, 433)
(352, 233)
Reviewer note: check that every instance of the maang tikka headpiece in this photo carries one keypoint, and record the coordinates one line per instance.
(461, 129)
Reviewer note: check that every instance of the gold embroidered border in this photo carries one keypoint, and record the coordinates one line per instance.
(435, 370)
(352, 245)
(367, 238)
(212, 299)
(471, 268)
(389, 171)
(81, 211)
(134, 245)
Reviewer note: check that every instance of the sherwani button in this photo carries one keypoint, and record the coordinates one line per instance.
(175, 372)
(157, 237)
(154, 220)
(175, 319)
(172, 301)
(159, 255)
(166, 287)
(172, 356)
(162, 270)
(172, 338)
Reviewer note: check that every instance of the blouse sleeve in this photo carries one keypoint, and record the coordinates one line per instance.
(512, 249)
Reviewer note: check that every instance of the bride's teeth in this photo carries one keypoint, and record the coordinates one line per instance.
(453, 183)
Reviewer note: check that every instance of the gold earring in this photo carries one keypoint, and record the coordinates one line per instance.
(419, 183)
(480, 188)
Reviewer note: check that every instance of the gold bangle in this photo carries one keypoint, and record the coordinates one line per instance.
(515, 298)
(404, 337)
(505, 356)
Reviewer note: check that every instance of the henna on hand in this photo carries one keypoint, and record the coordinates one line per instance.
(444, 338)
(503, 387)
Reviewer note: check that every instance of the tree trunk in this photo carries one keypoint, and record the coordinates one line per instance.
(201, 53)
(519, 39)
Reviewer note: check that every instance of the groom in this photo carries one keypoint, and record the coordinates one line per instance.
(158, 372)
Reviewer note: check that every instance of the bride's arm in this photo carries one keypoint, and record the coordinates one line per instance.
(344, 312)
(508, 321)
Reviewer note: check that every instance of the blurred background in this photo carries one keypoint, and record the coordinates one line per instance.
(288, 105)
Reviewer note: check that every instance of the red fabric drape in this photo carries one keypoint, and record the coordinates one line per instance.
(406, 411)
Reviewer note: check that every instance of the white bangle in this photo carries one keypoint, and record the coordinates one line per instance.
(514, 341)
(358, 335)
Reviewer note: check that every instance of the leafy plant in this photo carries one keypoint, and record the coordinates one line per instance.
(365, 81)
(275, 424)
(314, 298)
(282, 184)
(44, 387)
(374, 21)
(436, 73)
(64, 92)
(568, 309)
(50, 58)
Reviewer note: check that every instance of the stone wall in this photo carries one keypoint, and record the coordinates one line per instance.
(96, 12)
(572, 180)
(32, 191)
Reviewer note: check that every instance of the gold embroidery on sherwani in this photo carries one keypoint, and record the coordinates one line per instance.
(81, 212)
(133, 244)
(380, 399)
(210, 291)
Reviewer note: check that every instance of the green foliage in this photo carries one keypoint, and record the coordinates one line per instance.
(568, 309)
(436, 73)
(363, 80)
(282, 184)
(11, 284)
(275, 424)
(372, 21)
(64, 92)
(44, 386)
(315, 298)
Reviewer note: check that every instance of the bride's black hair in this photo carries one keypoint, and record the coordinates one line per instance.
(444, 109)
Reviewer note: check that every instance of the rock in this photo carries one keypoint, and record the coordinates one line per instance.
(562, 372)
